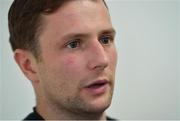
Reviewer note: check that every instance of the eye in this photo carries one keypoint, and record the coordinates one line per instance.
(106, 40)
(73, 44)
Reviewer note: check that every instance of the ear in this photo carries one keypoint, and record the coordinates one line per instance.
(27, 64)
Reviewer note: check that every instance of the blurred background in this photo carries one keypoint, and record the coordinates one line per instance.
(148, 70)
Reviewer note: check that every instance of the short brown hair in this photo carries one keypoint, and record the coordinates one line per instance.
(25, 22)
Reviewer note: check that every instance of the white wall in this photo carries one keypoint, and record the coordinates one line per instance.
(0, 65)
(179, 56)
(147, 72)
(147, 79)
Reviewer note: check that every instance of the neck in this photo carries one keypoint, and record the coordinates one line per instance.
(49, 112)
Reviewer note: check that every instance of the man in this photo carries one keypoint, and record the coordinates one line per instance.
(66, 48)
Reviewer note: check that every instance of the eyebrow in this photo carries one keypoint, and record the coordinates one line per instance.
(109, 31)
(86, 35)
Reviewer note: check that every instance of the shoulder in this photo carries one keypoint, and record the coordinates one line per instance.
(110, 119)
(33, 116)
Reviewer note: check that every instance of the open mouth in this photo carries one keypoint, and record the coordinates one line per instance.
(97, 84)
(98, 87)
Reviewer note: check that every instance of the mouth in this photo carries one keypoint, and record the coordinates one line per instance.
(97, 87)
(97, 84)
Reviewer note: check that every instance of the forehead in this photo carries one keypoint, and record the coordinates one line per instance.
(77, 15)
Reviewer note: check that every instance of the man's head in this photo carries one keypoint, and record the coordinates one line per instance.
(26, 21)
(74, 40)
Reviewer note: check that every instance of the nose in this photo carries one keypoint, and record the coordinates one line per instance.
(97, 56)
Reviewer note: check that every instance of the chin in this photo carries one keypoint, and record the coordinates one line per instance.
(100, 109)
(98, 106)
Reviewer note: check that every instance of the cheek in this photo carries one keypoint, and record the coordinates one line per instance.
(113, 56)
(70, 61)
(73, 64)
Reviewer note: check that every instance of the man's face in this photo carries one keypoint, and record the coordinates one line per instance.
(78, 62)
